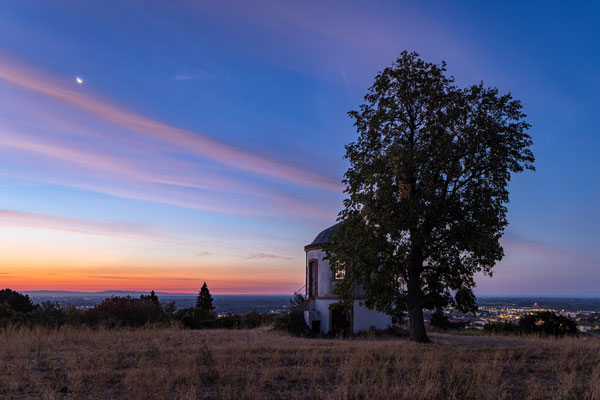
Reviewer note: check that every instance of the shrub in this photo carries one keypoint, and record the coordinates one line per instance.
(126, 311)
(292, 322)
(502, 328)
(49, 314)
(196, 318)
(254, 320)
(541, 323)
(8, 316)
(200, 318)
(441, 322)
(230, 321)
(18, 302)
(548, 323)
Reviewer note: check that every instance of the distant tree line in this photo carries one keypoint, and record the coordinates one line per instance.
(17, 309)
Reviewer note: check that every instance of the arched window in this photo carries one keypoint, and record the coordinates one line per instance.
(312, 279)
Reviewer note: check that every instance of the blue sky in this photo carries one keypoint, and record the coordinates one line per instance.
(206, 140)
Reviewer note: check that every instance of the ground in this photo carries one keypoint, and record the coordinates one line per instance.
(166, 363)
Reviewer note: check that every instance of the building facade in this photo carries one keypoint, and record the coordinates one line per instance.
(321, 313)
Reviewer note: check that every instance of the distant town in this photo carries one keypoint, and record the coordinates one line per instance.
(585, 312)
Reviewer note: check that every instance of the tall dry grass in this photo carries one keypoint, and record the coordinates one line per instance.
(261, 364)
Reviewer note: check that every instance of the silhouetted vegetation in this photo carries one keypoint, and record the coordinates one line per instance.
(127, 311)
(17, 301)
(441, 322)
(204, 299)
(293, 320)
(542, 323)
(113, 312)
(196, 318)
(427, 189)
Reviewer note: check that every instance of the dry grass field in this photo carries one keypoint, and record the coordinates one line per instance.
(153, 363)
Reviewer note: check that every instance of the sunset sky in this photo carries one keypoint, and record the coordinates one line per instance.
(204, 141)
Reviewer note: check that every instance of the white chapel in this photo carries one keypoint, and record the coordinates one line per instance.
(320, 283)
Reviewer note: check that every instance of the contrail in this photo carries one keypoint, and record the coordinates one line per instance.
(573, 112)
(346, 82)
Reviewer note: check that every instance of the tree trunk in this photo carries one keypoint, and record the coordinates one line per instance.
(415, 303)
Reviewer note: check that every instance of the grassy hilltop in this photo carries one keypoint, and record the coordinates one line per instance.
(166, 363)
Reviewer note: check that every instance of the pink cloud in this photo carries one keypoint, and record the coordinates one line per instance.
(185, 140)
(110, 229)
(161, 170)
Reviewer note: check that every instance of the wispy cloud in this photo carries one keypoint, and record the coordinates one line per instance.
(203, 253)
(546, 251)
(110, 229)
(188, 74)
(260, 256)
(193, 142)
(157, 278)
(158, 169)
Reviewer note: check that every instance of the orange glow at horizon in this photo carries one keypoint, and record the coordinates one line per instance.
(37, 259)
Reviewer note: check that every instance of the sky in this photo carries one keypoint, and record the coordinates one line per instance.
(204, 141)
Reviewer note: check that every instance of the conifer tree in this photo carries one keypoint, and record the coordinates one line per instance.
(204, 299)
(151, 297)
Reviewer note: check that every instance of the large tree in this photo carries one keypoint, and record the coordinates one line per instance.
(427, 189)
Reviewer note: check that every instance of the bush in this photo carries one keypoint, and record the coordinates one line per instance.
(541, 323)
(49, 314)
(18, 302)
(292, 322)
(441, 322)
(196, 318)
(548, 323)
(8, 316)
(230, 321)
(502, 328)
(118, 311)
(200, 318)
(254, 320)
(126, 311)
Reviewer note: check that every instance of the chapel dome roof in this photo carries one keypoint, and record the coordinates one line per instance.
(324, 236)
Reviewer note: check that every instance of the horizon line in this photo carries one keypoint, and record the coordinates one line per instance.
(573, 296)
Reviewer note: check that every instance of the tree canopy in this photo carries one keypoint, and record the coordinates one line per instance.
(427, 189)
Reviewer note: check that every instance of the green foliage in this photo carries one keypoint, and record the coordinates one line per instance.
(8, 316)
(297, 301)
(17, 301)
(292, 322)
(254, 320)
(204, 299)
(548, 323)
(49, 314)
(126, 311)
(230, 321)
(441, 322)
(199, 318)
(544, 323)
(151, 297)
(196, 318)
(502, 328)
(427, 189)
